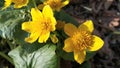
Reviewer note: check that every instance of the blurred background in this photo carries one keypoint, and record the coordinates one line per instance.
(106, 17)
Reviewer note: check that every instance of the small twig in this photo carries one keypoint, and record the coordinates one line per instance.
(96, 10)
(87, 8)
(116, 32)
(104, 27)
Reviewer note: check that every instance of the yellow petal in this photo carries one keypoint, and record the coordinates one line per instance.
(65, 3)
(7, 4)
(36, 15)
(19, 4)
(44, 37)
(26, 26)
(87, 26)
(33, 37)
(69, 29)
(47, 11)
(98, 43)
(79, 56)
(54, 39)
(53, 23)
(68, 47)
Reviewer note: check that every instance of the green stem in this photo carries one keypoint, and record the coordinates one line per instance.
(11, 45)
(34, 3)
(6, 57)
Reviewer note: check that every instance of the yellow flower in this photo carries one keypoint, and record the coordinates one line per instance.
(41, 25)
(17, 3)
(81, 39)
(55, 4)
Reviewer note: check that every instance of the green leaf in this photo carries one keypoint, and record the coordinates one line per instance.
(20, 35)
(1, 3)
(67, 56)
(85, 65)
(44, 57)
(42, 0)
(68, 19)
(89, 55)
(8, 20)
(65, 17)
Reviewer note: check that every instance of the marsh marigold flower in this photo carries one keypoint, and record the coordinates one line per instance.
(17, 3)
(41, 25)
(81, 39)
(55, 4)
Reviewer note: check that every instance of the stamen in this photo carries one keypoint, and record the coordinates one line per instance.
(82, 40)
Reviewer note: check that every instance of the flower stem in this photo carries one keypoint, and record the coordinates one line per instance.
(12, 46)
(34, 3)
(6, 57)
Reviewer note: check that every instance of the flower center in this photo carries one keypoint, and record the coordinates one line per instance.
(46, 24)
(82, 40)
